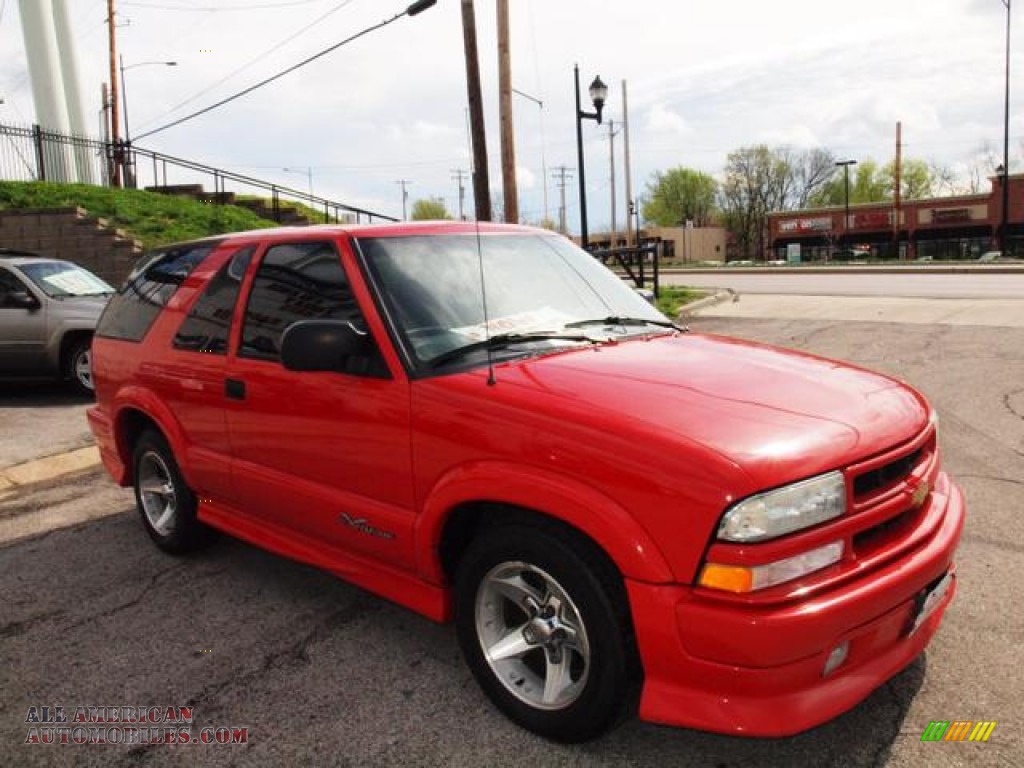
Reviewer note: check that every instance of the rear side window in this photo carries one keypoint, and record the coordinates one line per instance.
(208, 325)
(149, 287)
(299, 281)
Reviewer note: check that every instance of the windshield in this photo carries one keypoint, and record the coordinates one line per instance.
(61, 279)
(536, 284)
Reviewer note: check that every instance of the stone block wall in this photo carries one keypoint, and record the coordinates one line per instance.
(73, 235)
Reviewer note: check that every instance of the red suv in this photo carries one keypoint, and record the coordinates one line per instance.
(483, 423)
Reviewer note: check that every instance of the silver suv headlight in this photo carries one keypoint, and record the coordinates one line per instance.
(784, 510)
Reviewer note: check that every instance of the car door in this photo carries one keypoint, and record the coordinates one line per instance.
(323, 457)
(22, 329)
(193, 371)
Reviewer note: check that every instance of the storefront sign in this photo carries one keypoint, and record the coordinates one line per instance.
(872, 220)
(816, 224)
(950, 215)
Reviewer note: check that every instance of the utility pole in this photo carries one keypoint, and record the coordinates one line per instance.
(405, 197)
(897, 170)
(458, 176)
(612, 133)
(563, 174)
(625, 159)
(115, 129)
(481, 181)
(508, 141)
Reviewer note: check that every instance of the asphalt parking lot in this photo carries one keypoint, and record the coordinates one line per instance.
(322, 673)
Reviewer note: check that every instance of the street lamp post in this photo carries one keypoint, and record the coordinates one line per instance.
(598, 94)
(308, 173)
(846, 197)
(126, 149)
(1004, 240)
(124, 92)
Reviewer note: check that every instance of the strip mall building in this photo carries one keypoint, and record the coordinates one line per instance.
(961, 227)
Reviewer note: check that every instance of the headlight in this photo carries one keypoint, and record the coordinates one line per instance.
(788, 509)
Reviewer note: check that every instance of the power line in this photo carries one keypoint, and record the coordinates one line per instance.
(255, 59)
(412, 10)
(216, 9)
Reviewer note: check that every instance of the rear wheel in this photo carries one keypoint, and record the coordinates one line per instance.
(544, 629)
(167, 505)
(78, 365)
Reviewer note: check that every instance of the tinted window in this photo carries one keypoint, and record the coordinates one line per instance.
(302, 281)
(149, 287)
(208, 325)
(9, 284)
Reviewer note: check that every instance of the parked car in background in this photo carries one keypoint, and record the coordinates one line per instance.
(48, 312)
(483, 423)
(990, 256)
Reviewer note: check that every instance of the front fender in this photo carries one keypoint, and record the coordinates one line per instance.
(557, 496)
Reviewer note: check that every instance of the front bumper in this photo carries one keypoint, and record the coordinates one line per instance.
(765, 677)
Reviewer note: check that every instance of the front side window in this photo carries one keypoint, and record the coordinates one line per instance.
(9, 284)
(132, 310)
(297, 281)
(208, 325)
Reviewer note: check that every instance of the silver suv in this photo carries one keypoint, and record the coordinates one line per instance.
(48, 311)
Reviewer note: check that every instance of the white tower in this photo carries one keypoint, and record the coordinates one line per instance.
(53, 71)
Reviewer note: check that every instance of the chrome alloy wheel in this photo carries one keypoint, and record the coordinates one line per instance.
(156, 492)
(83, 369)
(532, 636)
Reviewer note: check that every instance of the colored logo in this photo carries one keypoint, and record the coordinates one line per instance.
(958, 730)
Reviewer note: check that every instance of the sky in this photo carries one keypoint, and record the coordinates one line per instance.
(704, 79)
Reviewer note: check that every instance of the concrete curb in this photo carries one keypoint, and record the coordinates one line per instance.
(720, 295)
(19, 476)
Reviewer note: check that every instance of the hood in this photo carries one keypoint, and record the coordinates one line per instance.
(79, 307)
(776, 414)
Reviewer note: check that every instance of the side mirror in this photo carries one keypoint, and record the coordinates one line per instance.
(322, 345)
(21, 300)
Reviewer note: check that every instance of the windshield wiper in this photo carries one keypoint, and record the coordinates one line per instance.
(505, 339)
(620, 320)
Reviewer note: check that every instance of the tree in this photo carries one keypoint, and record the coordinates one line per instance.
(680, 195)
(757, 181)
(872, 183)
(760, 180)
(429, 210)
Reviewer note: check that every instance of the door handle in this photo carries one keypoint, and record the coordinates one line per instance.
(234, 389)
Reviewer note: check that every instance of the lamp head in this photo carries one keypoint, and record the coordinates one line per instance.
(598, 94)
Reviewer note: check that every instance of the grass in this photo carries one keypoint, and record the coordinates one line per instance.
(672, 298)
(153, 218)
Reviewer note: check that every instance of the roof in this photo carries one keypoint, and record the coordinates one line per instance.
(18, 258)
(390, 229)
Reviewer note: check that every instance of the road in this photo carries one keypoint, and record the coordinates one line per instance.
(321, 672)
(971, 285)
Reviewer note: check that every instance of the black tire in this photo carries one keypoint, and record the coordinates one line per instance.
(78, 366)
(165, 503)
(551, 582)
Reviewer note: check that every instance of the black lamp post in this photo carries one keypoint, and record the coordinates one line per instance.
(846, 198)
(1004, 239)
(598, 94)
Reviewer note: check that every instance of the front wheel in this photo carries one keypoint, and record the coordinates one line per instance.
(544, 628)
(78, 366)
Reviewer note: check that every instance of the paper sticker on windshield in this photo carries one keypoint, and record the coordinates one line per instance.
(544, 319)
(73, 282)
